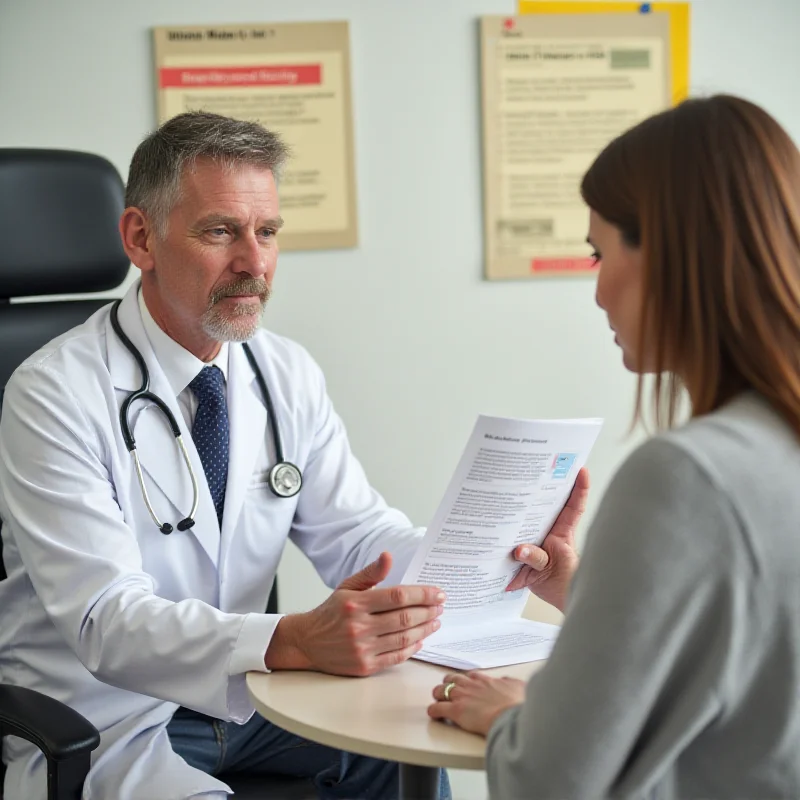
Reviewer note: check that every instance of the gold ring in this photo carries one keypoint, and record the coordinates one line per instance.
(447, 689)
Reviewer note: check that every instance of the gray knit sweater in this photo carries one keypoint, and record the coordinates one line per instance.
(677, 673)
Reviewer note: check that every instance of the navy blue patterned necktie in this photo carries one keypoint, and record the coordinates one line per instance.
(210, 432)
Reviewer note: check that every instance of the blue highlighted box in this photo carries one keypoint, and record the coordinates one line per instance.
(562, 464)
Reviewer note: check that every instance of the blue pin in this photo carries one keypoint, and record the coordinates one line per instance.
(645, 8)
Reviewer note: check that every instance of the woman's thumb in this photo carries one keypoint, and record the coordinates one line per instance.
(370, 576)
(533, 556)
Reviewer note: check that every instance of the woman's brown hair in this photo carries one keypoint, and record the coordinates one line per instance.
(710, 190)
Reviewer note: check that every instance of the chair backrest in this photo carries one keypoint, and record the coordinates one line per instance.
(60, 210)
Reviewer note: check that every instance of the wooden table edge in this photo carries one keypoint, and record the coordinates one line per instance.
(404, 754)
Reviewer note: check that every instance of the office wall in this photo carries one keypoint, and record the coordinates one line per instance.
(414, 343)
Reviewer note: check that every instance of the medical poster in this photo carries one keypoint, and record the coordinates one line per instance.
(556, 89)
(293, 78)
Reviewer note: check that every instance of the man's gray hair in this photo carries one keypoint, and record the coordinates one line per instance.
(158, 165)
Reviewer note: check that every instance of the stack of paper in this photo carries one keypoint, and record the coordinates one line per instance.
(511, 483)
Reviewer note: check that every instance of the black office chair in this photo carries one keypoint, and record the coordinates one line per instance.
(59, 211)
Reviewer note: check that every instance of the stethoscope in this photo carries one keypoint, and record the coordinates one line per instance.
(284, 479)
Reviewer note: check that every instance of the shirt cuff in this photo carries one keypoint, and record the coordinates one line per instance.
(251, 645)
(248, 656)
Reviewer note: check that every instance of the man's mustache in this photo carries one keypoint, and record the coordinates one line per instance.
(251, 286)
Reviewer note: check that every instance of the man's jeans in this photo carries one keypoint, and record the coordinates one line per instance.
(259, 747)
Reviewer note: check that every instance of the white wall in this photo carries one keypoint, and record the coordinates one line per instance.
(414, 343)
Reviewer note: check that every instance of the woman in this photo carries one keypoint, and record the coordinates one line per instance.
(677, 672)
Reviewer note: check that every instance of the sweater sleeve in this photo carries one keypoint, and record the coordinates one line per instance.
(640, 667)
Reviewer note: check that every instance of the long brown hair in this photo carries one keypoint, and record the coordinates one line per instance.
(710, 190)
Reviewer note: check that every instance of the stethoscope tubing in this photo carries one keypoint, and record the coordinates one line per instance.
(144, 393)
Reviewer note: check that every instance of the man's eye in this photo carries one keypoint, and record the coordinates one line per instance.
(218, 231)
(268, 232)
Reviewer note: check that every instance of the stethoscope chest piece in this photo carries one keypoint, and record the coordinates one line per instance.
(285, 479)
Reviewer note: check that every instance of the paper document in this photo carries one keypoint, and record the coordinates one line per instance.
(509, 487)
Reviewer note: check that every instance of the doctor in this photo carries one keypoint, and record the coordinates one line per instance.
(137, 582)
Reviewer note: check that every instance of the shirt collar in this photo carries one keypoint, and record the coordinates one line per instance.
(180, 366)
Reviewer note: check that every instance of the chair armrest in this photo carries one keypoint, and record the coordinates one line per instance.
(57, 730)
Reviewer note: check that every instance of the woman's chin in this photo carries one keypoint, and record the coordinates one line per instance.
(629, 362)
(632, 365)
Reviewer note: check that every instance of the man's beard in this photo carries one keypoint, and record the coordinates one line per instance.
(240, 323)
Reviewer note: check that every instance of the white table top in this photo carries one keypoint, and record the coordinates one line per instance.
(383, 716)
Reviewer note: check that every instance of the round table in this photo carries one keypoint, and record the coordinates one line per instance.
(383, 716)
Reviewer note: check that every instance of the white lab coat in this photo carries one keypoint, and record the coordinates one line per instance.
(102, 611)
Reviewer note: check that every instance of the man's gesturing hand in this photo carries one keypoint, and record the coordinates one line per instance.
(358, 630)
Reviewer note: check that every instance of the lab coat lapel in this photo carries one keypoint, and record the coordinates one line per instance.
(248, 432)
(156, 446)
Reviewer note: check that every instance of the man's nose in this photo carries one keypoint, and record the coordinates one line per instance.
(253, 256)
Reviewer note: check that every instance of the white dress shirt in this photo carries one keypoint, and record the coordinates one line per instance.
(180, 366)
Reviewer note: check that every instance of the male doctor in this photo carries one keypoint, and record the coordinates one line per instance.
(150, 635)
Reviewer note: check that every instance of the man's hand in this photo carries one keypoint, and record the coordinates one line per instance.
(475, 700)
(548, 569)
(358, 630)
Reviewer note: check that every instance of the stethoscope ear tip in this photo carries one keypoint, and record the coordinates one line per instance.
(185, 524)
(166, 529)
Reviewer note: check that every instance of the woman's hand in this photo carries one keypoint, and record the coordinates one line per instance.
(475, 700)
(548, 569)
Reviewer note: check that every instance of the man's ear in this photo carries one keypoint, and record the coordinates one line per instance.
(137, 236)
